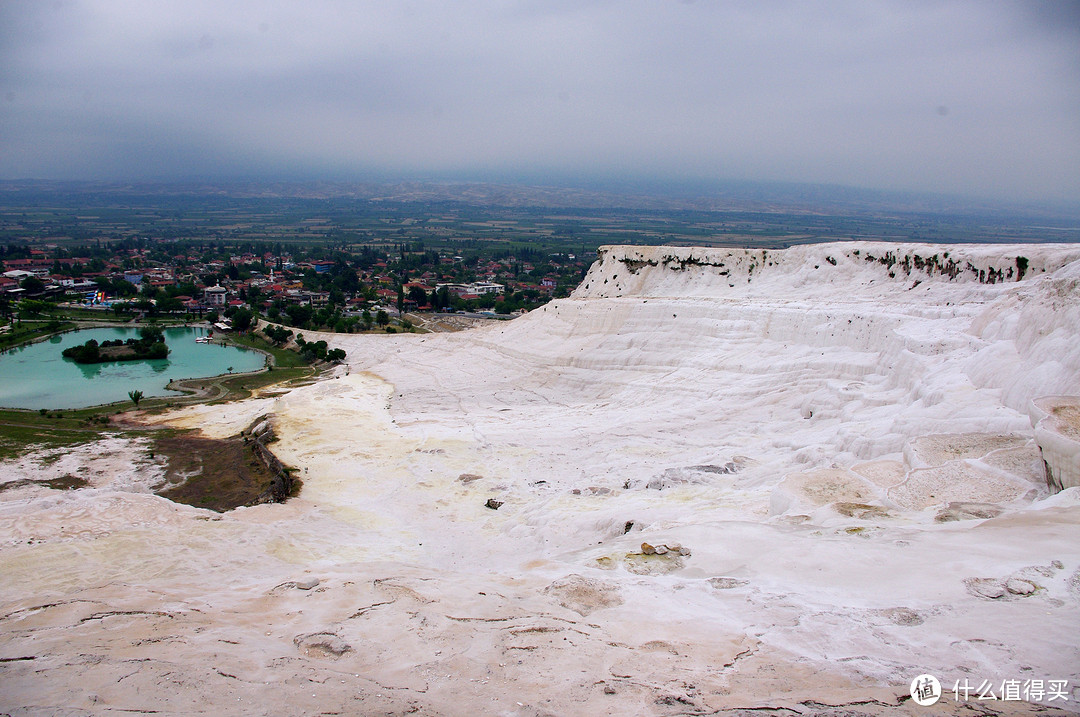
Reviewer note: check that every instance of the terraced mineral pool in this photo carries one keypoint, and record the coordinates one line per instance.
(38, 376)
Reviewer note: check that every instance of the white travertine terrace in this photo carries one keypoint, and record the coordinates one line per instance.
(848, 440)
(1057, 431)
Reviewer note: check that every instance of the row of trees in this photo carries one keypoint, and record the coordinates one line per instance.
(280, 335)
(329, 317)
(318, 350)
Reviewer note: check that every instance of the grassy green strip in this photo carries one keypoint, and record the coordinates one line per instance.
(241, 387)
(29, 332)
(21, 431)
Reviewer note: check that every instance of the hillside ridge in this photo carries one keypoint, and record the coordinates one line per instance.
(703, 271)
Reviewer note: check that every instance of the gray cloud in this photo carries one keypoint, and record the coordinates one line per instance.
(960, 96)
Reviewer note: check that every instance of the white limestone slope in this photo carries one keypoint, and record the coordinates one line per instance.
(840, 435)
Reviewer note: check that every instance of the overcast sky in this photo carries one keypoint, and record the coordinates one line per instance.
(972, 97)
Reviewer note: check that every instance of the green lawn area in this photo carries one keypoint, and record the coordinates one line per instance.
(20, 430)
(240, 387)
(80, 314)
(28, 332)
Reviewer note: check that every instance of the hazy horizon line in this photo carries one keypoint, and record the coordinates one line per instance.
(686, 189)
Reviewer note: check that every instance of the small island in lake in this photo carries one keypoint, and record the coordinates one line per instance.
(149, 345)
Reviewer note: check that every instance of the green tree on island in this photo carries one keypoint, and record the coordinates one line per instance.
(135, 396)
(150, 345)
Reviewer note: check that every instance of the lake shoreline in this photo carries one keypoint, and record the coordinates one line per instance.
(42, 381)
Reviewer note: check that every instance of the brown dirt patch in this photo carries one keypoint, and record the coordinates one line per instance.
(64, 482)
(211, 473)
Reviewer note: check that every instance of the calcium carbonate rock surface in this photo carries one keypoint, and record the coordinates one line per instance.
(840, 435)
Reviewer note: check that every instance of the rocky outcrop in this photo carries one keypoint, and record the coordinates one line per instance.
(283, 484)
(1057, 431)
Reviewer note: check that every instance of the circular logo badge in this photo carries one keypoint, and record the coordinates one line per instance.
(925, 690)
